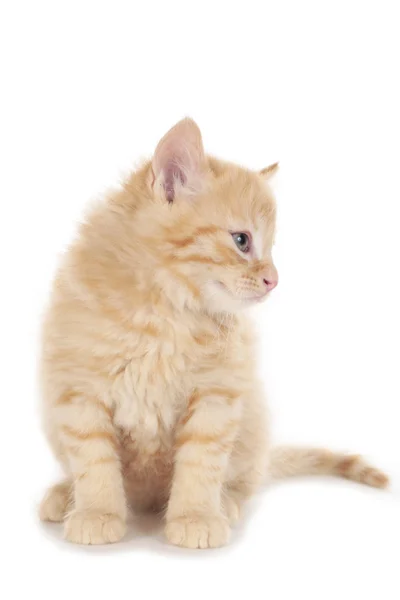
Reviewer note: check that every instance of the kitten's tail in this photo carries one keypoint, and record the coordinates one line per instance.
(289, 461)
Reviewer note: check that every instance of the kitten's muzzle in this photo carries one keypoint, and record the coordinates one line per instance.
(269, 278)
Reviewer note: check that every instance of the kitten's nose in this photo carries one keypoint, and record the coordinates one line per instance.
(270, 278)
(270, 284)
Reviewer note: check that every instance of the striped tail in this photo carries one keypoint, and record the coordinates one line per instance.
(290, 461)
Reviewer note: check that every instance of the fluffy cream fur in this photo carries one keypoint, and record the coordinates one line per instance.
(150, 393)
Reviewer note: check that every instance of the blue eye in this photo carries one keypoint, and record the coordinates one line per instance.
(242, 241)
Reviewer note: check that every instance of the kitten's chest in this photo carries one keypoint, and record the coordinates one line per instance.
(151, 391)
(149, 395)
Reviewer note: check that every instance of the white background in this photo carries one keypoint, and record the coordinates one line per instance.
(90, 87)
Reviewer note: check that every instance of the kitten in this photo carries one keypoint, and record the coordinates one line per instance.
(150, 393)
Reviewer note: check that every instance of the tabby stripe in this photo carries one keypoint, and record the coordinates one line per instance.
(206, 260)
(186, 281)
(68, 397)
(194, 398)
(229, 255)
(347, 464)
(148, 329)
(259, 267)
(191, 239)
(204, 339)
(84, 436)
(226, 393)
(201, 438)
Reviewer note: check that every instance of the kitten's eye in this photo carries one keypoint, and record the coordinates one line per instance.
(242, 241)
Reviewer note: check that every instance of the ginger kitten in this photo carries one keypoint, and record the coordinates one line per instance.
(150, 394)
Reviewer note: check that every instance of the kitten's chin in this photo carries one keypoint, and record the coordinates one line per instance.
(218, 299)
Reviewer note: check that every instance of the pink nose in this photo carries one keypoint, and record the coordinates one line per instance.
(270, 284)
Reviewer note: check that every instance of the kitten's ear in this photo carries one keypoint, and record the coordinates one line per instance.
(270, 171)
(179, 159)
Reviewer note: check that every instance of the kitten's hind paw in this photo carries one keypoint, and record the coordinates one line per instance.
(231, 508)
(56, 503)
(198, 531)
(93, 527)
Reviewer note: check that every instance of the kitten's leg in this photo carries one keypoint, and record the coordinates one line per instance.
(248, 463)
(231, 503)
(247, 473)
(91, 448)
(203, 446)
(57, 502)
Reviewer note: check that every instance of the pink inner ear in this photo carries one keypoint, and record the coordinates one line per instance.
(172, 174)
(179, 158)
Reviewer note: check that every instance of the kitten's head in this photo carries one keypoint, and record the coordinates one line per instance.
(213, 225)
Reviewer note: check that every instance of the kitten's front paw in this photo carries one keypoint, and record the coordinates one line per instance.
(93, 527)
(198, 531)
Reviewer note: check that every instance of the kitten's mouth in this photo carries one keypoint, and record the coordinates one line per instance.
(245, 300)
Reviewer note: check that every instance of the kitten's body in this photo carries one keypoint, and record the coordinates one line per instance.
(149, 383)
